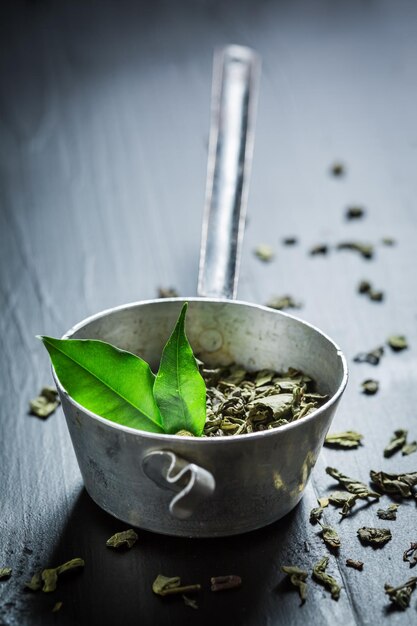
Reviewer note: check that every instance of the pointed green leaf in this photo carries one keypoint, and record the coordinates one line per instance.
(179, 388)
(112, 383)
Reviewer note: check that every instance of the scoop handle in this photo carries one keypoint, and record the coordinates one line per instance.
(234, 97)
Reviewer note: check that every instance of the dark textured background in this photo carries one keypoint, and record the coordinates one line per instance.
(104, 117)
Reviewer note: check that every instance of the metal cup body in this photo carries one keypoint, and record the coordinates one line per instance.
(259, 477)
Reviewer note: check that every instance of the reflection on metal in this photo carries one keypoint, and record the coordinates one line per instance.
(169, 471)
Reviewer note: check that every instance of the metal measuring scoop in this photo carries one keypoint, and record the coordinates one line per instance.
(216, 486)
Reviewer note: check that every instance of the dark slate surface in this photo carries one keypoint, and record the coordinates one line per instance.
(104, 113)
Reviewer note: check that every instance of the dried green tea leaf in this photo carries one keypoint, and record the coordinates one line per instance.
(165, 586)
(264, 252)
(330, 536)
(57, 606)
(370, 386)
(319, 249)
(376, 537)
(348, 439)
(376, 295)
(410, 555)
(366, 250)
(223, 583)
(290, 241)
(354, 212)
(343, 499)
(121, 392)
(281, 303)
(364, 286)
(179, 389)
(5, 572)
(400, 596)
(45, 403)
(409, 448)
(397, 342)
(297, 578)
(351, 484)
(35, 583)
(124, 539)
(167, 292)
(240, 401)
(390, 513)
(395, 484)
(337, 169)
(373, 357)
(397, 441)
(323, 502)
(190, 602)
(49, 579)
(315, 514)
(319, 575)
(354, 564)
(388, 241)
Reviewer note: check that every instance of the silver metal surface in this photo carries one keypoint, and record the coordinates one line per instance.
(234, 98)
(170, 471)
(259, 477)
(227, 485)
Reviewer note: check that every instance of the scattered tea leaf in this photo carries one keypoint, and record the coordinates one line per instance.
(121, 391)
(124, 539)
(351, 484)
(330, 536)
(165, 586)
(409, 448)
(297, 578)
(190, 602)
(410, 555)
(348, 439)
(35, 583)
(343, 499)
(319, 575)
(223, 583)
(397, 342)
(388, 241)
(264, 252)
(337, 169)
(179, 389)
(5, 572)
(373, 357)
(376, 537)
(400, 596)
(319, 249)
(354, 212)
(366, 250)
(395, 484)
(388, 514)
(323, 502)
(397, 441)
(290, 241)
(48, 578)
(45, 403)
(354, 564)
(57, 606)
(167, 292)
(283, 302)
(370, 387)
(316, 514)
(364, 286)
(376, 295)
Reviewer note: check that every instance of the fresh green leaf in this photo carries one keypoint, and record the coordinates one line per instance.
(179, 388)
(112, 383)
